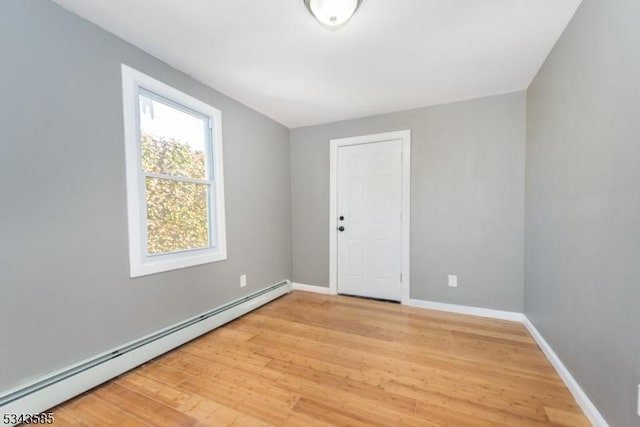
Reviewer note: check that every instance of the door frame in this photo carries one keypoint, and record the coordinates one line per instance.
(335, 144)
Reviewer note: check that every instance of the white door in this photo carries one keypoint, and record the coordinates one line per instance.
(369, 224)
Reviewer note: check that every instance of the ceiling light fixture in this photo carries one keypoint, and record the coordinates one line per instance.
(332, 13)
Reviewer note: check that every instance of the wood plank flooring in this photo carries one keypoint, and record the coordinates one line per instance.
(318, 360)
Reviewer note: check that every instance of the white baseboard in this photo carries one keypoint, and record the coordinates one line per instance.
(310, 288)
(71, 381)
(463, 309)
(587, 406)
(57, 392)
(589, 409)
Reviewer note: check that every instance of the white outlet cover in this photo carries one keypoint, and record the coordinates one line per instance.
(453, 281)
(243, 280)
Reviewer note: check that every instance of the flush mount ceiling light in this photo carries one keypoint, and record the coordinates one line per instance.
(332, 13)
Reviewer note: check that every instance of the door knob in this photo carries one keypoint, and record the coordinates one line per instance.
(341, 228)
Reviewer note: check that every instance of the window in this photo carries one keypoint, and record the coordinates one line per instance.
(175, 189)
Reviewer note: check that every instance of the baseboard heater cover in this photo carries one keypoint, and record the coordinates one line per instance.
(64, 384)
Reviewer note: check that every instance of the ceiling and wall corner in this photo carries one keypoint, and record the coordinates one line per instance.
(394, 55)
(299, 73)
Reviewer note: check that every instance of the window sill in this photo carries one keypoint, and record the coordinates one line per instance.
(161, 263)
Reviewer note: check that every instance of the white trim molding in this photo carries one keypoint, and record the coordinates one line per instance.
(311, 288)
(405, 137)
(468, 310)
(589, 409)
(59, 386)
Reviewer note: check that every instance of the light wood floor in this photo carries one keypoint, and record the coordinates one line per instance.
(315, 360)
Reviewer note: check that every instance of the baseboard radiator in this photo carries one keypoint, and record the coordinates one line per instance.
(66, 383)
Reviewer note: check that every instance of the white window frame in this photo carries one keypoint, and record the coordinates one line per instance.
(140, 262)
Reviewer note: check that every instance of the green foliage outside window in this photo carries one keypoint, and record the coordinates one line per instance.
(177, 212)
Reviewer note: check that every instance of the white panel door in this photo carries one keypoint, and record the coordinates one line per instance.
(369, 222)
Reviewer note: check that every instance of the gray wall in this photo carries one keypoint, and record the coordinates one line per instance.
(583, 204)
(467, 199)
(65, 292)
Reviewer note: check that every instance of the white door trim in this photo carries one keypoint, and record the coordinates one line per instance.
(405, 137)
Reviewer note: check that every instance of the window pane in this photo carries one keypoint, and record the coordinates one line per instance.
(173, 141)
(177, 217)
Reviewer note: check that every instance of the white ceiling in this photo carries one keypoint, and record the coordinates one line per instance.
(393, 55)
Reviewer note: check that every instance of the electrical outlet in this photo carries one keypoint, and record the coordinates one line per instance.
(453, 281)
(243, 280)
